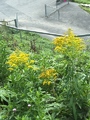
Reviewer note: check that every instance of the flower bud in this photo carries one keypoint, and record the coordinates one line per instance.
(29, 105)
(14, 109)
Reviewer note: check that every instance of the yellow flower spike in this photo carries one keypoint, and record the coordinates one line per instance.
(49, 82)
(10, 69)
(30, 66)
(44, 82)
(49, 74)
(32, 61)
(14, 65)
(27, 64)
(42, 75)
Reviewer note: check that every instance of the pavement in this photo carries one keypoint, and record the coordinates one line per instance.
(31, 16)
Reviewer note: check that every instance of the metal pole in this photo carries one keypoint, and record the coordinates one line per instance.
(68, 1)
(45, 10)
(17, 19)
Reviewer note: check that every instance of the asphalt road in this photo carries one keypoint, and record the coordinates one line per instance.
(31, 16)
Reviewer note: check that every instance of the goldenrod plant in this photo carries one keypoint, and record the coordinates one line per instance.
(52, 84)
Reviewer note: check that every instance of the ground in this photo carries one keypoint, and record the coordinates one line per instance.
(31, 15)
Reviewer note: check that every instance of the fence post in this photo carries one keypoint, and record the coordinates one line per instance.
(68, 1)
(45, 10)
(16, 21)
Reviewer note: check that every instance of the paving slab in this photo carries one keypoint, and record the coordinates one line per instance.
(31, 16)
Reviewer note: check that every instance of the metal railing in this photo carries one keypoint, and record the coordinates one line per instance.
(45, 33)
(54, 7)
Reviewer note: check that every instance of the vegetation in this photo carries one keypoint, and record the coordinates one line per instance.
(85, 8)
(83, 2)
(42, 79)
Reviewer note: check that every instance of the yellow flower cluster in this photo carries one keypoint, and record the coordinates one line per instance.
(46, 82)
(18, 58)
(68, 42)
(48, 75)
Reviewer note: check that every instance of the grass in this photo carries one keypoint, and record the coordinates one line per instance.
(83, 1)
(87, 9)
(26, 41)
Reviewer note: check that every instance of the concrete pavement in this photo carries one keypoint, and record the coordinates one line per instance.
(31, 14)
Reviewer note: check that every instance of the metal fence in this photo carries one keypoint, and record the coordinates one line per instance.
(87, 36)
(54, 7)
